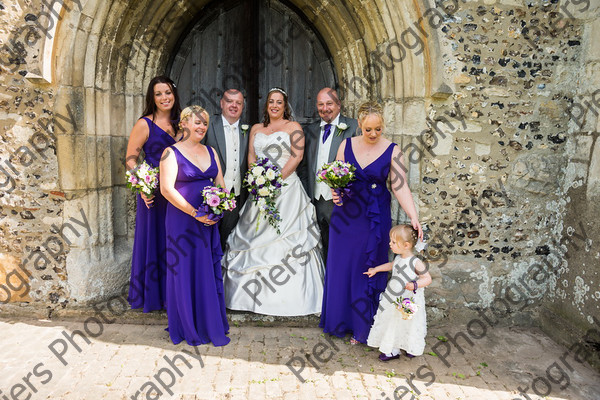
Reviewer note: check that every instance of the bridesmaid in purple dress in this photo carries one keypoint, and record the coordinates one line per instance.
(155, 131)
(195, 301)
(358, 233)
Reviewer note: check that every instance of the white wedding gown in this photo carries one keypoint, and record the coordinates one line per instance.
(270, 273)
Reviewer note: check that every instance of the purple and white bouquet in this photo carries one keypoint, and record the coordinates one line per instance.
(264, 182)
(407, 307)
(217, 200)
(338, 175)
(143, 179)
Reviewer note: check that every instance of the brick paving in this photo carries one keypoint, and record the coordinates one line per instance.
(127, 361)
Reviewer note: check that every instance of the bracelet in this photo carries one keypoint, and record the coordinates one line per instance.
(416, 286)
(194, 213)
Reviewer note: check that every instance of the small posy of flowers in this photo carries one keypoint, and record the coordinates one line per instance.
(338, 175)
(264, 182)
(245, 128)
(341, 127)
(407, 307)
(217, 200)
(143, 179)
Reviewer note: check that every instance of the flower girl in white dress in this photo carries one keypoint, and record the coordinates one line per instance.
(395, 327)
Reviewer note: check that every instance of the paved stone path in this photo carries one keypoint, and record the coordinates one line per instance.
(137, 361)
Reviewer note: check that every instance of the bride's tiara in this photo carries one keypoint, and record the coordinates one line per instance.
(275, 89)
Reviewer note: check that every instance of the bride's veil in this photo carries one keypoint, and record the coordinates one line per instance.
(292, 113)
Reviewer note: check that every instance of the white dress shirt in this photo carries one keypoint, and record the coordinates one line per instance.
(233, 180)
(321, 188)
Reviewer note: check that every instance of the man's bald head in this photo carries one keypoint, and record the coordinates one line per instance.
(328, 104)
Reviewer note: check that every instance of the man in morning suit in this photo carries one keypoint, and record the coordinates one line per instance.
(322, 140)
(230, 139)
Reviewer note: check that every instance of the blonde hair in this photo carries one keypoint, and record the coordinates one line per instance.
(370, 108)
(405, 232)
(192, 110)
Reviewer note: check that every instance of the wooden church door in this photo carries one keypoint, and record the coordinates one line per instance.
(252, 45)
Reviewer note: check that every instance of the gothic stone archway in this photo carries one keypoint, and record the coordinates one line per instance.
(103, 57)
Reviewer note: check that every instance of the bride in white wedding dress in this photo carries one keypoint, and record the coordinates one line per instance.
(266, 272)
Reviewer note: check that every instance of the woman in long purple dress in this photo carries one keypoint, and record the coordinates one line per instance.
(153, 132)
(358, 234)
(195, 301)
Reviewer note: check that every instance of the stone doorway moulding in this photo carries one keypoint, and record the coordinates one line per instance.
(103, 55)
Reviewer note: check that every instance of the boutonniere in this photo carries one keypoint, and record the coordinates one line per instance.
(341, 128)
(245, 128)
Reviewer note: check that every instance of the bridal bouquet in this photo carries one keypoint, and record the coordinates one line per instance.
(143, 179)
(264, 181)
(217, 200)
(407, 307)
(338, 175)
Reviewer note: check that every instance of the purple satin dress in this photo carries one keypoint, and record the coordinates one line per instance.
(147, 286)
(358, 240)
(195, 301)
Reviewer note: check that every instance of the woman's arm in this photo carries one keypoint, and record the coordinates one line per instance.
(424, 276)
(402, 191)
(296, 150)
(168, 176)
(251, 153)
(219, 178)
(137, 138)
(380, 268)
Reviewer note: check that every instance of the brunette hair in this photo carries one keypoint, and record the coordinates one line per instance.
(287, 113)
(150, 108)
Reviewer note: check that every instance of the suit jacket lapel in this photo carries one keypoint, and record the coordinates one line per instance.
(243, 143)
(336, 140)
(221, 146)
(314, 146)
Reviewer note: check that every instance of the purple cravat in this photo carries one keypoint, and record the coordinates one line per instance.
(326, 132)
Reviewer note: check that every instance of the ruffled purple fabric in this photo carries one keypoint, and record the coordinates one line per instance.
(358, 240)
(205, 210)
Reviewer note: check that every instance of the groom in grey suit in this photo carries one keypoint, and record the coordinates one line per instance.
(322, 140)
(230, 139)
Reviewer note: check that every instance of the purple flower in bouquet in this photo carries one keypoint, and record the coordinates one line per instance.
(213, 200)
(407, 307)
(217, 200)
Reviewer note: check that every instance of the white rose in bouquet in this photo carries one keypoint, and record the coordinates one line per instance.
(143, 168)
(260, 180)
(258, 171)
(263, 192)
(270, 174)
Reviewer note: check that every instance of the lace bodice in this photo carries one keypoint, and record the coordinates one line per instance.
(276, 147)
